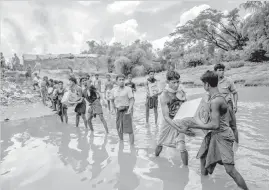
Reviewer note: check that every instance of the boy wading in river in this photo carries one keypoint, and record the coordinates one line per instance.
(217, 146)
(62, 109)
(152, 96)
(170, 134)
(227, 89)
(123, 101)
(95, 108)
(108, 91)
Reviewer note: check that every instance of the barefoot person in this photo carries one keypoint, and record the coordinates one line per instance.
(44, 90)
(217, 146)
(97, 82)
(35, 81)
(170, 134)
(130, 83)
(62, 109)
(227, 88)
(95, 108)
(80, 108)
(108, 87)
(123, 101)
(152, 96)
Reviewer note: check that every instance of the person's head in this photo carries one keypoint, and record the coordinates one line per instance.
(120, 79)
(1, 54)
(96, 76)
(219, 69)
(210, 80)
(151, 73)
(173, 79)
(108, 77)
(88, 77)
(45, 78)
(171, 67)
(61, 84)
(35, 74)
(38, 77)
(130, 77)
(83, 81)
(73, 81)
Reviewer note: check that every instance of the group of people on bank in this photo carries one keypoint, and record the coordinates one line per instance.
(221, 97)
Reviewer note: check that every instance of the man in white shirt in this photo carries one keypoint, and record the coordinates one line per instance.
(123, 101)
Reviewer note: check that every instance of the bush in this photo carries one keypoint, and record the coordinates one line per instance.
(193, 60)
(231, 55)
(138, 70)
(254, 52)
(157, 67)
(123, 65)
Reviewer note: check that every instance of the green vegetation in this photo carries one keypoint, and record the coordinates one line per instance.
(212, 37)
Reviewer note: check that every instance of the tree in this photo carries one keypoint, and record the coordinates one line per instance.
(254, 6)
(210, 27)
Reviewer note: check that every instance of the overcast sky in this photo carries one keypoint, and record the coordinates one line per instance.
(64, 26)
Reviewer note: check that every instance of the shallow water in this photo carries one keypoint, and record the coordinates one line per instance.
(41, 153)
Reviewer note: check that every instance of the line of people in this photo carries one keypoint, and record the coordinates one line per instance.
(222, 97)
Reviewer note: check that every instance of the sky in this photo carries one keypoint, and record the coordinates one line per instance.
(58, 26)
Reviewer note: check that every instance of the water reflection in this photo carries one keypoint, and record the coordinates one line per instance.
(127, 179)
(99, 156)
(173, 177)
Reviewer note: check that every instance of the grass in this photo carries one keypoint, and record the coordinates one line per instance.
(242, 73)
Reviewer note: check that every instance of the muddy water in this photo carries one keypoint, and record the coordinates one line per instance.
(41, 153)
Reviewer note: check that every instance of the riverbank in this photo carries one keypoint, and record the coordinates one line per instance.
(249, 74)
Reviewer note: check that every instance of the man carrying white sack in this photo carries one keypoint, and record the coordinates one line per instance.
(171, 134)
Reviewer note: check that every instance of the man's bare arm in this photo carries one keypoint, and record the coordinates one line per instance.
(215, 117)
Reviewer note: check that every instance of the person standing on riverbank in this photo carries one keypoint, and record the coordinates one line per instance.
(170, 134)
(217, 146)
(227, 88)
(38, 64)
(80, 108)
(153, 92)
(123, 101)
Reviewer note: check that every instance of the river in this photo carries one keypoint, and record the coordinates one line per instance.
(42, 153)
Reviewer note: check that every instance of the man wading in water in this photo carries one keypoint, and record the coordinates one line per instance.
(123, 101)
(217, 146)
(95, 108)
(227, 88)
(152, 96)
(170, 134)
(80, 108)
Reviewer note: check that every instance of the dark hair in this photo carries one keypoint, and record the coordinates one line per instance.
(82, 78)
(56, 82)
(130, 75)
(51, 80)
(73, 79)
(219, 66)
(211, 78)
(172, 75)
(108, 75)
(120, 76)
(96, 74)
(60, 82)
(151, 71)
